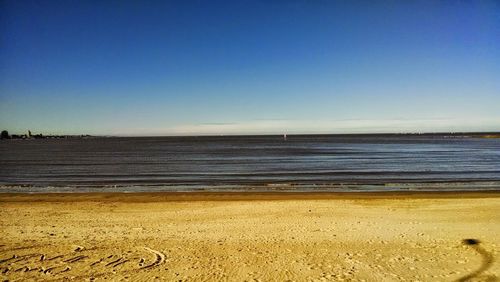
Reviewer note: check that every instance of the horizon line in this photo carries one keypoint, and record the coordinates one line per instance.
(279, 134)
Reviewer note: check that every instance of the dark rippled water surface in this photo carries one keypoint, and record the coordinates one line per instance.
(250, 162)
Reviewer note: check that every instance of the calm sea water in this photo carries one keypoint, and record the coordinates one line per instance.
(343, 163)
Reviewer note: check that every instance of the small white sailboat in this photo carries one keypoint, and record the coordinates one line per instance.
(284, 137)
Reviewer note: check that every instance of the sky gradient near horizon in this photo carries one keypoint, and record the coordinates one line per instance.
(249, 67)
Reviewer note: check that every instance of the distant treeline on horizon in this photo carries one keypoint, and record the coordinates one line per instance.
(5, 135)
(29, 135)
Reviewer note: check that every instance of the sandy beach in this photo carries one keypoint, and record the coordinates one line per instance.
(250, 237)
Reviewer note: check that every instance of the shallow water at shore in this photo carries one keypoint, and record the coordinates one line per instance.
(261, 163)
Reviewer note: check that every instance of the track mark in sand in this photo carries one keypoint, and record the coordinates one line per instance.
(56, 257)
(75, 259)
(66, 269)
(24, 268)
(97, 262)
(160, 258)
(20, 258)
(7, 259)
(120, 263)
(113, 262)
(33, 269)
(49, 270)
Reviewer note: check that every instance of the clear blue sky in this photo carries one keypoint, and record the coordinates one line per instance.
(244, 67)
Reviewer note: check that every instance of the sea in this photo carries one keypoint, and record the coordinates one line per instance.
(337, 163)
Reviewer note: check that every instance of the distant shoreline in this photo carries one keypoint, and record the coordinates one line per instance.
(486, 134)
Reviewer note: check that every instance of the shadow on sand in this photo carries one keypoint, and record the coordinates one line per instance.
(487, 262)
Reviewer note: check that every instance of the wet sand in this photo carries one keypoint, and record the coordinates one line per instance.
(250, 236)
